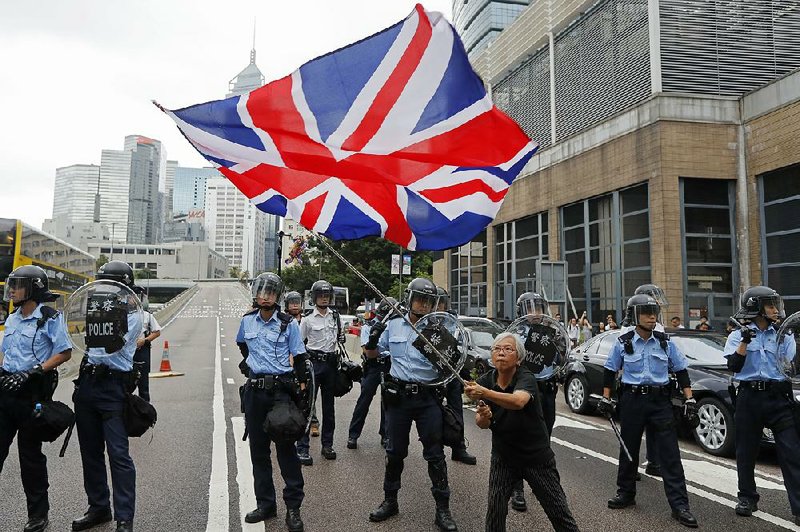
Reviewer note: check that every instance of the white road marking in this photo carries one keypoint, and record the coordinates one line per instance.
(719, 478)
(218, 518)
(244, 475)
(225, 359)
(562, 421)
(690, 488)
(231, 381)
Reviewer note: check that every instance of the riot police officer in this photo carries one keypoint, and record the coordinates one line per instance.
(454, 390)
(533, 304)
(322, 330)
(294, 305)
(99, 397)
(141, 358)
(646, 358)
(652, 467)
(764, 396)
(374, 369)
(409, 398)
(275, 358)
(34, 345)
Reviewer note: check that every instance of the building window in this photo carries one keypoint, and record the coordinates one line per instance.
(468, 277)
(518, 245)
(606, 243)
(780, 234)
(709, 250)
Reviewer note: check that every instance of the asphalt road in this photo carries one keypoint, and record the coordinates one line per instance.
(193, 471)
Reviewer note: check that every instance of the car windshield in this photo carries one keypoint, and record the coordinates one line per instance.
(706, 350)
(483, 333)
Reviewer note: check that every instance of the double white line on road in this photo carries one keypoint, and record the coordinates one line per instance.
(218, 518)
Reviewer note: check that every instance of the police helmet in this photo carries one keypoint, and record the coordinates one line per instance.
(531, 303)
(319, 289)
(118, 271)
(385, 308)
(755, 299)
(642, 304)
(266, 284)
(443, 298)
(423, 290)
(32, 280)
(293, 297)
(655, 291)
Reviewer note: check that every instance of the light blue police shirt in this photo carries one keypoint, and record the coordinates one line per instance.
(121, 360)
(761, 362)
(648, 364)
(269, 348)
(24, 347)
(408, 364)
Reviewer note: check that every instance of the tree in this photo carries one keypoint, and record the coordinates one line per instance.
(371, 256)
(144, 273)
(235, 272)
(102, 259)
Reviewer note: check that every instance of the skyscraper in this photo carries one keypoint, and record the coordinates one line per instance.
(478, 22)
(75, 190)
(189, 190)
(115, 179)
(144, 202)
(248, 79)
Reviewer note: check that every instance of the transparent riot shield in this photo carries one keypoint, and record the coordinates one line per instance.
(446, 333)
(786, 351)
(546, 341)
(103, 317)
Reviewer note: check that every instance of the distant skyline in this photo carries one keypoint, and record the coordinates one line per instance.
(80, 78)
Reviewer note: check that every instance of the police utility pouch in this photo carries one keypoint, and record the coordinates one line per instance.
(138, 415)
(51, 421)
(285, 423)
(452, 427)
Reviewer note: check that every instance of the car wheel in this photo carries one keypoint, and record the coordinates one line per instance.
(576, 393)
(715, 433)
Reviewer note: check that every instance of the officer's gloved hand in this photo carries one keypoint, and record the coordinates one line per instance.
(244, 368)
(690, 412)
(747, 335)
(375, 335)
(15, 381)
(607, 407)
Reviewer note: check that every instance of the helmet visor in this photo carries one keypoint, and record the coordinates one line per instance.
(534, 307)
(266, 289)
(294, 300)
(18, 289)
(422, 302)
(641, 313)
(658, 294)
(771, 307)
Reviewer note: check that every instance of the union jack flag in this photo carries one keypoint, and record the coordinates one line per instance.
(393, 136)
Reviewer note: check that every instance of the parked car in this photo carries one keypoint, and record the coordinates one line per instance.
(481, 332)
(708, 372)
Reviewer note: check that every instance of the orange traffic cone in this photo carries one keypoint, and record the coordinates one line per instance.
(165, 365)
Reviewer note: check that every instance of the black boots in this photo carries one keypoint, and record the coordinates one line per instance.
(293, 521)
(387, 509)
(91, 519)
(441, 493)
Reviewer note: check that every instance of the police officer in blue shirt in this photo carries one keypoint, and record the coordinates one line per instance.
(34, 345)
(374, 368)
(646, 362)
(275, 356)
(454, 390)
(99, 397)
(764, 397)
(409, 397)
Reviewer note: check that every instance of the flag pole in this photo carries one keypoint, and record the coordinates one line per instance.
(347, 263)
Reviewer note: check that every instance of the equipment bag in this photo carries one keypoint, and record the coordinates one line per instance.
(51, 420)
(285, 423)
(346, 372)
(452, 427)
(138, 415)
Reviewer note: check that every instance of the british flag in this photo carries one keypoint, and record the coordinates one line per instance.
(393, 136)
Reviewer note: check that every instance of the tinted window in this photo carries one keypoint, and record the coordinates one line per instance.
(702, 350)
(606, 343)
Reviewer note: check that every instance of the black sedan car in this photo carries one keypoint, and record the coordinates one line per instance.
(481, 332)
(707, 370)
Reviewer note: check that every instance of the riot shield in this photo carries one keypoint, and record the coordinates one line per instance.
(546, 341)
(786, 352)
(446, 333)
(102, 317)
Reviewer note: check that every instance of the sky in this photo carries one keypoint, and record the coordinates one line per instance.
(77, 76)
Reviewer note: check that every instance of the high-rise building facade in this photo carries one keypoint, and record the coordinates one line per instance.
(479, 22)
(234, 226)
(75, 191)
(115, 180)
(189, 190)
(144, 200)
(248, 79)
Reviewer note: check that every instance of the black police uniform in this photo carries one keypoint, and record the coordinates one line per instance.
(374, 369)
(28, 342)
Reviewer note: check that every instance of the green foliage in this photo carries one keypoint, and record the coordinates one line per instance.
(102, 259)
(235, 272)
(144, 273)
(371, 256)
